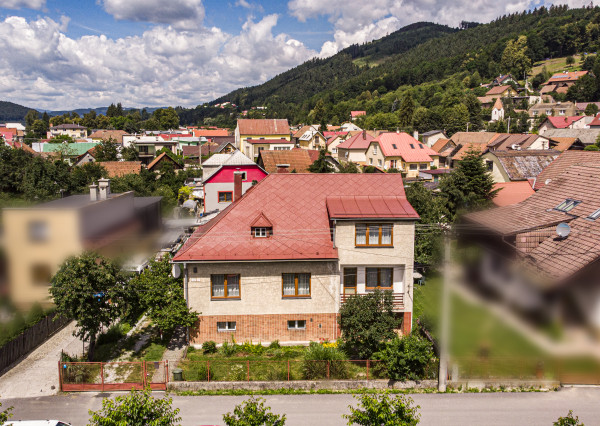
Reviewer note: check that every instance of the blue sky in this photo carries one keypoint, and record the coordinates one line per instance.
(66, 54)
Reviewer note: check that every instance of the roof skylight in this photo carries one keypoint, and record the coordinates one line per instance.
(567, 205)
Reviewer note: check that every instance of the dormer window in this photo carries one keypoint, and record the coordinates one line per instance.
(262, 232)
(567, 205)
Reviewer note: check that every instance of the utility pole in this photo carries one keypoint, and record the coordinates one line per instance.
(445, 317)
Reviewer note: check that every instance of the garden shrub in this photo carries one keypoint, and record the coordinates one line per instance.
(406, 358)
(381, 409)
(229, 349)
(315, 362)
(274, 345)
(198, 372)
(253, 412)
(114, 333)
(209, 347)
(251, 349)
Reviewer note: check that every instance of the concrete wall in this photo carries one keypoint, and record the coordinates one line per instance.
(211, 194)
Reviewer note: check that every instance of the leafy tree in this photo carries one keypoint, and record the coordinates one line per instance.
(584, 89)
(30, 117)
(135, 408)
(370, 169)
(253, 412)
(83, 176)
(383, 409)
(591, 109)
(348, 167)
(457, 118)
(129, 153)
(366, 321)
(321, 165)
(166, 118)
(162, 296)
(106, 150)
(591, 148)
(39, 128)
(570, 60)
(407, 110)
(5, 415)
(46, 118)
(469, 186)
(568, 420)
(85, 289)
(406, 358)
(89, 120)
(514, 57)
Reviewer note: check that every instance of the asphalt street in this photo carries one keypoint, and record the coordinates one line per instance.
(527, 408)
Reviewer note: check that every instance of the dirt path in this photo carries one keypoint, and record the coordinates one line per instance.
(37, 374)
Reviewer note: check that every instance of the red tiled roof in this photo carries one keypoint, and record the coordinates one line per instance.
(337, 133)
(23, 146)
(512, 192)
(564, 122)
(263, 126)
(498, 90)
(596, 121)
(267, 141)
(563, 162)
(120, 168)
(566, 76)
(361, 140)
(117, 135)
(298, 159)
(160, 158)
(439, 144)
(207, 133)
(365, 206)
(354, 114)
(295, 204)
(405, 146)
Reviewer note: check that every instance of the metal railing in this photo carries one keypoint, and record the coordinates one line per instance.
(397, 300)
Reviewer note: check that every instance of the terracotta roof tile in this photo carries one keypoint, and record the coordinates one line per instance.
(497, 90)
(564, 122)
(263, 126)
(298, 159)
(366, 206)
(512, 193)
(117, 135)
(405, 146)
(563, 162)
(120, 168)
(361, 140)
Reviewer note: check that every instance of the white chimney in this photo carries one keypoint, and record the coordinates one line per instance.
(104, 185)
(416, 134)
(94, 192)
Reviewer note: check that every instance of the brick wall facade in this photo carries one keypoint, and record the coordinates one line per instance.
(406, 323)
(266, 328)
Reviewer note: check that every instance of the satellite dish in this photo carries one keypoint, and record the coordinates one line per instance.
(176, 270)
(547, 181)
(563, 230)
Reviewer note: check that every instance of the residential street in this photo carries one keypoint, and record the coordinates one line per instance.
(532, 408)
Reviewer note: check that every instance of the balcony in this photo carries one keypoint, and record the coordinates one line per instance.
(397, 300)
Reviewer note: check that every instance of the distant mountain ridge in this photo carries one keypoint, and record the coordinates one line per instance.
(9, 111)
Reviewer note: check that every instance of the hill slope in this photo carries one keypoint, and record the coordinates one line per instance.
(10, 111)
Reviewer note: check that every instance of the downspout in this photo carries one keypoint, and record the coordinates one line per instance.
(186, 296)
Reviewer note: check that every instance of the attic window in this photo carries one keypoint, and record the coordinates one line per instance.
(394, 146)
(262, 232)
(594, 215)
(412, 146)
(420, 146)
(567, 205)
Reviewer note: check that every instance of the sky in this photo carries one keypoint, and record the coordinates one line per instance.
(68, 54)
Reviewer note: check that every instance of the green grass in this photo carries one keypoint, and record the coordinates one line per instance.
(556, 65)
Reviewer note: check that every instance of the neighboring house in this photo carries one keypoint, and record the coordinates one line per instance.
(157, 164)
(400, 151)
(209, 133)
(210, 165)
(523, 260)
(510, 166)
(582, 106)
(23, 146)
(309, 137)
(586, 136)
(262, 129)
(567, 109)
(354, 148)
(332, 144)
(573, 122)
(282, 259)
(564, 144)
(561, 82)
(121, 168)
(504, 91)
(70, 151)
(444, 148)
(503, 79)
(228, 183)
(595, 123)
(349, 127)
(486, 101)
(298, 160)
(43, 236)
(253, 147)
(355, 114)
(115, 135)
(430, 138)
(465, 142)
(433, 175)
(563, 162)
(518, 141)
(87, 157)
(498, 111)
(73, 130)
(148, 145)
(510, 193)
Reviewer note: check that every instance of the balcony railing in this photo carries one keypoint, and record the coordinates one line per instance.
(397, 300)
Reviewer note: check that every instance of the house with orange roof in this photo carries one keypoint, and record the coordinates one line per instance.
(505, 91)
(355, 114)
(278, 263)
(561, 82)
(310, 137)
(250, 132)
(402, 152)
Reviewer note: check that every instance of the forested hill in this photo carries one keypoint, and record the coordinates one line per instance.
(425, 53)
(12, 112)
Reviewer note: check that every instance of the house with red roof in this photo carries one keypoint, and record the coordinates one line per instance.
(278, 263)
(562, 122)
(355, 114)
(560, 82)
(505, 91)
(354, 148)
(401, 151)
(250, 132)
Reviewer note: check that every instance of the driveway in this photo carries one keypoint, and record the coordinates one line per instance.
(37, 374)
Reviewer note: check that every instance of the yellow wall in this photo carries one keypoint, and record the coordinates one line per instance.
(243, 138)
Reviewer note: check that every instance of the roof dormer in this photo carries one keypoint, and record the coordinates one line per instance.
(261, 227)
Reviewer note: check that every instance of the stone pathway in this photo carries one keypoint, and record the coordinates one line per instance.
(174, 353)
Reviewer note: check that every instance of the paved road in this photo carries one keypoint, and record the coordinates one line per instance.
(436, 409)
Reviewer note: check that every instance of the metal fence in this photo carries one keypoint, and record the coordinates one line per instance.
(112, 376)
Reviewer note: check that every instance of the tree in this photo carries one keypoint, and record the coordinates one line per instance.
(584, 89)
(348, 167)
(514, 57)
(86, 174)
(469, 186)
(253, 412)
(39, 128)
(106, 150)
(321, 165)
(129, 153)
(5, 415)
(167, 118)
(162, 296)
(31, 116)
(382, 409)
(366, 321)
(85, 289)
(406, 358)
(135, 408)
(591, 148)
(591, 109)
(407, 110)
(570, 60)
(568, 420)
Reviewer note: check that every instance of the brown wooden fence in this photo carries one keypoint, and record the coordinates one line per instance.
(30, 339)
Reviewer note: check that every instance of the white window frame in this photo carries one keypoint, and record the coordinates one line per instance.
(296, 325)
(261, 232)
(227, 326)
(374, 149)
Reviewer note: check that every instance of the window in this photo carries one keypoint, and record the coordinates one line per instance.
(379, 277)
(374, 149)
(262, 232)
(423, 166)
(244, 176)
(225, 197)
(373, 235)
(394, 146)
(41, 274)
(567, 205)
(548, 112)
(594, 215)
(561, 112)
(413, 167)
(393, 163)
(412, 146)
(490, 165)
(350, 275)
(421, 146)
(346, 154)
(296, 285)
(226, 326)
(371, 161)
(334, 150)
(225, 286)
(379, 162)
(38, 231)
(535, 113)
(297, 325)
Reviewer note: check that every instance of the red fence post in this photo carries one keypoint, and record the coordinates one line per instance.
(60, 379)
(248, 369)
(102, 374)
(143, 374)
(368, 361)
(166, 367)
(208, 370)
(328, 370)
(288, 370)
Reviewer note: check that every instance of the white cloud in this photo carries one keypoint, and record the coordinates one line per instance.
(18, 4)
(43, 68)
(358, 21)
(185, 14)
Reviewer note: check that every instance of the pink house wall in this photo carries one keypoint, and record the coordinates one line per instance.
(226, 174)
